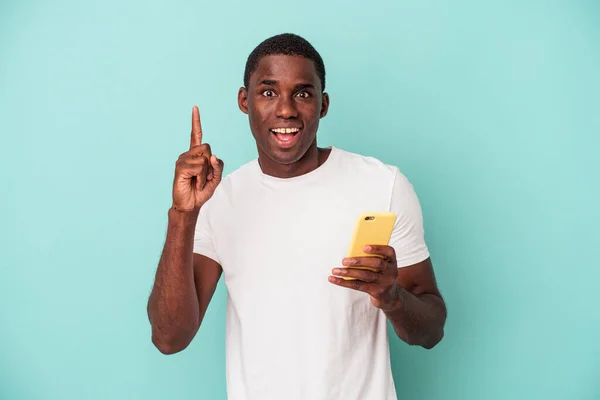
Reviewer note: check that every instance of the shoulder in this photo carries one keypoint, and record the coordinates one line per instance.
(366, 165)
(368, 170)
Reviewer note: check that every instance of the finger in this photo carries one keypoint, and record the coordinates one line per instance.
(200, 160)
(217, 168)
(387, 252)
(202, 149)
(192, 155)
(199, 155)
(374, 263)
(200, 181)
(196, 138)
(195, 173)
(360, 274)
(187, 171)
(361, 286)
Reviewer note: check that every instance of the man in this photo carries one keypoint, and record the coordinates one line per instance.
(277, 228)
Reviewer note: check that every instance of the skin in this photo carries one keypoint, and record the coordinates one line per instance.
(284, 91)
(408, 296)
(185, 282)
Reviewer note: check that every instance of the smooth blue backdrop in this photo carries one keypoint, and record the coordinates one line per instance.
(491, 108)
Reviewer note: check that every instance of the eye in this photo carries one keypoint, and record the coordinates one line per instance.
(303, 94)
(268, 93)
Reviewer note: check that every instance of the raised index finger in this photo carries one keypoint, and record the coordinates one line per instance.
(196, 138)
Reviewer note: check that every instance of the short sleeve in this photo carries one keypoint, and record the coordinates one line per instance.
(408, 236)
(203, 239)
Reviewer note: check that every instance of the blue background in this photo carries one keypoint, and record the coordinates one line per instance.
(491, 108)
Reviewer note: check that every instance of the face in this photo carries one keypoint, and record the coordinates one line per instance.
(284, 102)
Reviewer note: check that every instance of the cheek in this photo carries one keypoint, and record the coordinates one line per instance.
(259, 112)
(312, 113)
(312, 107)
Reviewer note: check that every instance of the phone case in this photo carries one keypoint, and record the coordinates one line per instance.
(371, 228)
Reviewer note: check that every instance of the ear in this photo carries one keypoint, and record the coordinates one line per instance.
(324, 104)
(243, 100)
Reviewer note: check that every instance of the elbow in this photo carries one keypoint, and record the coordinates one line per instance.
(433, 340)
(167, 348)
(168, 344)
(173, 339)
(436, 333)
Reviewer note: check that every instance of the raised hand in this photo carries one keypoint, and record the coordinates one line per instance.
(197, 172)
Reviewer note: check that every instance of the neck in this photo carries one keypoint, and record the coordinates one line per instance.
(310, 161)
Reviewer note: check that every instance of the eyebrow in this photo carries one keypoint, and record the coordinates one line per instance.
(304, 86)
(299, 86)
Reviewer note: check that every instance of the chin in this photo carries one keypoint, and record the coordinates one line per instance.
(286, 156)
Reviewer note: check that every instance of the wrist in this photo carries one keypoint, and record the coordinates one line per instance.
(395, 300)
(183, 217)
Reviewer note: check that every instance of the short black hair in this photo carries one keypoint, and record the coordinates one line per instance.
(287, 44)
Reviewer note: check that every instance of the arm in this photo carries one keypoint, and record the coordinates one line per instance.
(409, 295)
(418, 312)
(185, 282)
(184, 285)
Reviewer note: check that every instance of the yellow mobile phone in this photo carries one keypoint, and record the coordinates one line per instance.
(371, 228)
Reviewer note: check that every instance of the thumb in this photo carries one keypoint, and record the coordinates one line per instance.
(217, 169)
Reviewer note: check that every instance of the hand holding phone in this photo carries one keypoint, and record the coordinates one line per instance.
(370, 229)
(370, 265)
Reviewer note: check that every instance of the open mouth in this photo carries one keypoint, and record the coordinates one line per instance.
(285, 137)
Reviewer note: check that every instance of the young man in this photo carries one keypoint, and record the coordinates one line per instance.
(277, 228)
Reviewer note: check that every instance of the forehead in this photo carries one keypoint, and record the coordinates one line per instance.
(286, 70)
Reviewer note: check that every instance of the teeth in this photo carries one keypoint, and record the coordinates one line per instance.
(285, 130)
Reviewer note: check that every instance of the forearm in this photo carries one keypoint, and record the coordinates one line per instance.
(418, 319)
(173, 307)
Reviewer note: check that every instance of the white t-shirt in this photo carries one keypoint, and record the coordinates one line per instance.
(290, 333)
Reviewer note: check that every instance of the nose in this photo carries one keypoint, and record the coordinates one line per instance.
(286, 108)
